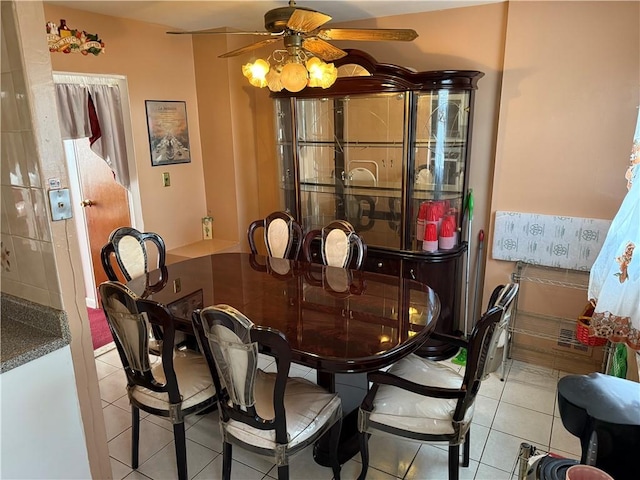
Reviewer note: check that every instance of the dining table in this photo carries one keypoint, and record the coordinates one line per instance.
(342, 323)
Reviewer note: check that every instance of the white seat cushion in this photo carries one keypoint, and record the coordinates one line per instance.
(194, 382)
(308, 408)
(416, 413)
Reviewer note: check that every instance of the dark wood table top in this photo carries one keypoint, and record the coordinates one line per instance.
(335, 320)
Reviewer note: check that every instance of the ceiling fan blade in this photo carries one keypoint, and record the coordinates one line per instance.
(370, 34)
(322, 49)
(302, 20)
(218, 32)
(248, 48)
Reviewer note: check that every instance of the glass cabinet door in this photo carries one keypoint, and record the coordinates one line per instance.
(284, 152)
(351, 154)
(439, 154)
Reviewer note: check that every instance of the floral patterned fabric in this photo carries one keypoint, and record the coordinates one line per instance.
(614, 283)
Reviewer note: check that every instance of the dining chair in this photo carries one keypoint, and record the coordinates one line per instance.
(174, 385)
(267, 413)
(498, 356)
(129, 247)
(282, 235)
(428, 401)
(358, 207)
(340, 245)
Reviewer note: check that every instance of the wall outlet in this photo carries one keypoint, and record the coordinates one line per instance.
(177, 285)
(60, 201)
(166, 179)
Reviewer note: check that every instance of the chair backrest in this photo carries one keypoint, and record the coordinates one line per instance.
(483, 339)
(229, 342)
(129, 248)
(129, 318)
(503, 296)
(282, 235)
(340, 245)
(362, 176)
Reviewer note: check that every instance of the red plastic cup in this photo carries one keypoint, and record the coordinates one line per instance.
(430, 243)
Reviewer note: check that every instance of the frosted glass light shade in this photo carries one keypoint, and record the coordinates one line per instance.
(256, 72)
(294, 77)
(273, 79)
(321, 74)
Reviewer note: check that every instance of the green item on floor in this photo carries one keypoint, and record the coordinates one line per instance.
(619, 362)
(460, 358)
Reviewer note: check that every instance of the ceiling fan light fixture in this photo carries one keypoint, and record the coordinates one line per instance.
(256, 72)
(273, 79)
(302, 63)
(321, 74)
(294, 76)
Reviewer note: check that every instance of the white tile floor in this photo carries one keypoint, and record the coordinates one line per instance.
(522, 408)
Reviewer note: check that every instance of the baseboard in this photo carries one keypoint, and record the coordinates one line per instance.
(91, 302)
(103, 349)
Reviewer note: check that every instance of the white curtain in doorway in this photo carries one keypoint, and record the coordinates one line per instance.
(94, 110)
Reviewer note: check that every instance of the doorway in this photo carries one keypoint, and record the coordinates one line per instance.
(99, 203)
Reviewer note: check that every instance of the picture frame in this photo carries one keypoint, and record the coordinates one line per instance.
(184, 307)
(168, 132)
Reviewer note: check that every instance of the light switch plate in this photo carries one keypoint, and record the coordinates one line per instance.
(60, 201)
(166, 179)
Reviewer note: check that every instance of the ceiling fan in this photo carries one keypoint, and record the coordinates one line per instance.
(299, 27)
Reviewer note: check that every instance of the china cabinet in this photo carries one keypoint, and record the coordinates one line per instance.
(387, 149)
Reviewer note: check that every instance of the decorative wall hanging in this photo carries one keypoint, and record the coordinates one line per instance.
(63, 39)
(168, 132)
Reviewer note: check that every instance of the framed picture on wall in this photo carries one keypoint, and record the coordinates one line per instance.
(168, 132)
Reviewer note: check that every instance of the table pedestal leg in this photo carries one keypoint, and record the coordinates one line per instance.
(352, 388)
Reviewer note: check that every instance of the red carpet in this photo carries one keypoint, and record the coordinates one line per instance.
(100, 333)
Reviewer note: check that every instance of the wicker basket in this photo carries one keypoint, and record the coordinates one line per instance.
(583, 331)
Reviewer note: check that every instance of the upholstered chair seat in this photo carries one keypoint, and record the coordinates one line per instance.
(307, 408)
(412, 412)
(192, 374)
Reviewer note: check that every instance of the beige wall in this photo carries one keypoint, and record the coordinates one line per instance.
(569, 102)
(158, 67)
(237, 141)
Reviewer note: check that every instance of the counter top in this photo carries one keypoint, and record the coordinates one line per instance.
(29, 331)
